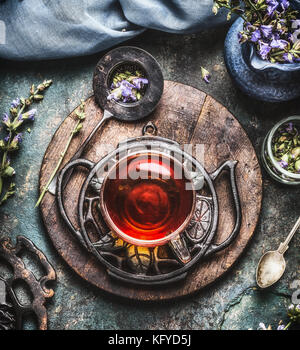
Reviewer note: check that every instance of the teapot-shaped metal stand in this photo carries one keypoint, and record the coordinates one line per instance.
(150, 265)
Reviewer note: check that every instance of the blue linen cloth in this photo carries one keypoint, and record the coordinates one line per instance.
(50, 29)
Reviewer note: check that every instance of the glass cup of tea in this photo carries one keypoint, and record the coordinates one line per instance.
(148, 200)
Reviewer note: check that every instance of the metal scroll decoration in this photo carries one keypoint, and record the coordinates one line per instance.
(12, 311)
(143, 265)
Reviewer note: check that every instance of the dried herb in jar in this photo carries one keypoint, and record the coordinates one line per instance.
(286, 148)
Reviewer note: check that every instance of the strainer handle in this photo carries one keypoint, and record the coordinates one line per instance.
(60, 190)
(231, 166)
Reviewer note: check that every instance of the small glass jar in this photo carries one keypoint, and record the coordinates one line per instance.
(270, 163)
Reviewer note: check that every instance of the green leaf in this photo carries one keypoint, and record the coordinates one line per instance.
(38, 97)
(10, 192)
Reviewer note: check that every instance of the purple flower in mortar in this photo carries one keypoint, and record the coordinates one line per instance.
(284, 4)
(288, 57)
(272, 6)
(290, 128)
(264, 50)
(283, 164)
(290, 37)
(296, 23)
(242, 37)
(266, 30)
(248, 26)
(256, 35)
(278, 44)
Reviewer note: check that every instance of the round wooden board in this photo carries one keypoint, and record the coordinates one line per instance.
(188, 116)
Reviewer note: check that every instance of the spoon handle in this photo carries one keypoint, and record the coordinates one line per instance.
(106, 115)
(285, 245)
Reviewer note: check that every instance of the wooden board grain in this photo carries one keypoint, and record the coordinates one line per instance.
(186, 115)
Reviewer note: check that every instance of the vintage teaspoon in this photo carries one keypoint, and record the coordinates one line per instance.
(107, 115)
(272, 264)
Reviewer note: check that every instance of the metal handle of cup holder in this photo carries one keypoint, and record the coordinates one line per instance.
(60, 189)
(148, 137)
(231, 166)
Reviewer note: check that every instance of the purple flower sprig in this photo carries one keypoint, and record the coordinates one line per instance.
(80, 117)
(293, 313)
(270, 25)
(127, 87)
(19, 113)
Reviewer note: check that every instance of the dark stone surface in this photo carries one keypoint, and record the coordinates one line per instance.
(230, 303)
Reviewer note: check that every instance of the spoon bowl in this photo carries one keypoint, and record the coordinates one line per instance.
(272, 265)
(270, 268)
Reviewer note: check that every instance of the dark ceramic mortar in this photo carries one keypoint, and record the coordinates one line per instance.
(260, 79)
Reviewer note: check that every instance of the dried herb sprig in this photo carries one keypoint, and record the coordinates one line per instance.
(286, 148)
(12, 122)
(78, 126)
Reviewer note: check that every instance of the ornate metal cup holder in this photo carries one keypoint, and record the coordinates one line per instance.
(142, 265)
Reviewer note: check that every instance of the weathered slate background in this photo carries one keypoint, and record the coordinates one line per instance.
(229, 304)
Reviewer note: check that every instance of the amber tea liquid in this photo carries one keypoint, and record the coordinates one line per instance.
(144, 198)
